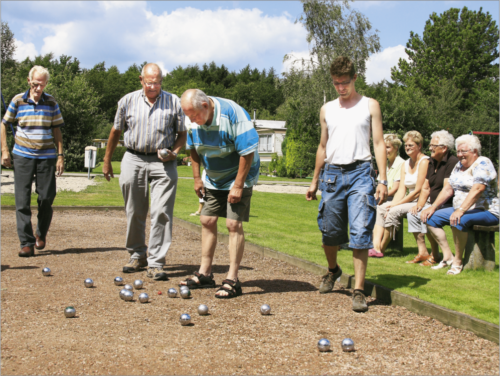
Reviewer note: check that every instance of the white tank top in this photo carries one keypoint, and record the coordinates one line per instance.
(348, 132)
(411, 179)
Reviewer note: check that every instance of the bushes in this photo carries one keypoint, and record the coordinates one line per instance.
(117, 155)
(278, 166)
(180, 159)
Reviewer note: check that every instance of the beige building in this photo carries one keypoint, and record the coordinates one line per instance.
(271, 134)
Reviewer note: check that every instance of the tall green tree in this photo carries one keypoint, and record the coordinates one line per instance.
(8, 46)
(457, 45)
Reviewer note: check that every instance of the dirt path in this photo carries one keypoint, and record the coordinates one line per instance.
(110, 336)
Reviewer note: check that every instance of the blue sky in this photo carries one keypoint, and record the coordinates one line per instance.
(233, 33)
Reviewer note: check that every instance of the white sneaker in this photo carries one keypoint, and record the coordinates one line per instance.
(442, 264)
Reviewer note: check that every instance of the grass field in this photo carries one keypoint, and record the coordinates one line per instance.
(287, 223)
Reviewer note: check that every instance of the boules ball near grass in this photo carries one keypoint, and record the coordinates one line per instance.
(185, 319)
(89, 282)
(118, 281)
(185, 293)
(46, 272)
(202, 310)
(143, 297)
(265, 309)
(324, 345)
(70, 312)
(172, 293)
(138, 284)
(347, 345)
(128, 287)
(128, 295)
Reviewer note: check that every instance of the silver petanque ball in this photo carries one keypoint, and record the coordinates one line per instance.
(183, 287)
(118, 281)
(324, 345)
(89, 282)
(164, 153)
(128, 295)
(185, 319)
(122, 293)
(46, 271)
(69, 312)
(143, 297)
(128, 287)
(185, 293)
(265, 309)
(138, 284)
(172, 293)
(202, 310)
(348, 344)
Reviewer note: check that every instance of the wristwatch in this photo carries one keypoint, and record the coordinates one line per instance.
(60, 155)
(174, 153)
(462, 209)
(384, 182)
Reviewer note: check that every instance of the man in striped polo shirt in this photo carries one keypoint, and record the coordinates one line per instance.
(223, 139)
(38, 155)
(150, 119)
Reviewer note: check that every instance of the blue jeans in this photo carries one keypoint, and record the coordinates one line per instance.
(470, 218)
(347, 198)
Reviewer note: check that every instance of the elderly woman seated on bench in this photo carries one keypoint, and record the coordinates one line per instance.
(474, 183)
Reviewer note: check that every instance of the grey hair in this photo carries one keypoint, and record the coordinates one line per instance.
(445, 138)
(143, 71)
(198, 98)
(469, 140)
(393, 139)
(39, 69)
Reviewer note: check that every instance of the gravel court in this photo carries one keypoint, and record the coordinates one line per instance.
(110, 336)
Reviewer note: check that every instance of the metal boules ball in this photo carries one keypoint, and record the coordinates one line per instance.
(118, 281)
(183, 287)
(69, 312)
(46, 271)
(172, 293)
(128, 287)
(324, 345)
(138, 284)
(128, 295)
(185, 319)
(185, 293)
(348, 344)
(202, 310)
(265, 309)
(143, 297)
(89, 282)
(122, 293)
(164, 153)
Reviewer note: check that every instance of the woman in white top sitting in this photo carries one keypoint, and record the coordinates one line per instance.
(390, 214)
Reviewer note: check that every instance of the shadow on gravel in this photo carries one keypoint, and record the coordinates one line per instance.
(5, 267)
(277, 285)
(179, 270)
(78, 250)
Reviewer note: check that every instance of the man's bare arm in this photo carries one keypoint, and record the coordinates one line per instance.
(114, 138)
(379, 148)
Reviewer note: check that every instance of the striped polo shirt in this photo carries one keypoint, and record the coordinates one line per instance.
(221, 144)
(34, 122)
(149, 128)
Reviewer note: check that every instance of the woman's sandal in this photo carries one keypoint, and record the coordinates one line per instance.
(455, 269)
(232, 292)
(205, 282)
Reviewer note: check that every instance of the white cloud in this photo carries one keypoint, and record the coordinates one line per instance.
(123, 33)
(297, 60)
(24, 50)
(378, 66)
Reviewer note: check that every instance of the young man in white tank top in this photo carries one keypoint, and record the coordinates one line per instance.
(344, 175)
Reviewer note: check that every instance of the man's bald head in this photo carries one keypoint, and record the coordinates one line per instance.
(194, 98)
(197, 107)
(152, 69)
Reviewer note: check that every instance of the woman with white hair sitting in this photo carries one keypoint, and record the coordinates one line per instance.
(441, 165)
(474, 184)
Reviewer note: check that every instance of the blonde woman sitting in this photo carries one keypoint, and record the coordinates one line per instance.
(390, 214)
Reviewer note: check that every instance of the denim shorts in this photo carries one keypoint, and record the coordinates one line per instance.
(470, 218)
(347, 201)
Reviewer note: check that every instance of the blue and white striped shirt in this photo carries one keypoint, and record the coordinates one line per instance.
(149, 128)
(221, 144)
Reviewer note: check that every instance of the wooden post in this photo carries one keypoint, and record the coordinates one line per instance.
(480, 248)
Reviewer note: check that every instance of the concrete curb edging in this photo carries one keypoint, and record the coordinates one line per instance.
(447, 316)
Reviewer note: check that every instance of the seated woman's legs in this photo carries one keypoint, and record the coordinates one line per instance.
(439, 236)
(393, 220)
(379, 232)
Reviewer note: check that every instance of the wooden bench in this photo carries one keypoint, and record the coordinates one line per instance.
(396, 243)
(480, 249)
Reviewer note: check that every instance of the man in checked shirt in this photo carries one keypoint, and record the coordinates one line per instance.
(150, 119)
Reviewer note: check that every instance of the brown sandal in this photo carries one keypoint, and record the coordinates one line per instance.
(418, 259)
(204, 282)
(429, 262)
(233, 291)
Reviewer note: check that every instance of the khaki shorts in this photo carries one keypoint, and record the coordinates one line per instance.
(216, 205)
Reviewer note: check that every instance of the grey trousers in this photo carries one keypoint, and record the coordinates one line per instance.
(136, 172)
(45, 183)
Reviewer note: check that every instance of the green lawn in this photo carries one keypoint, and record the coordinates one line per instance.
(287, 223)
